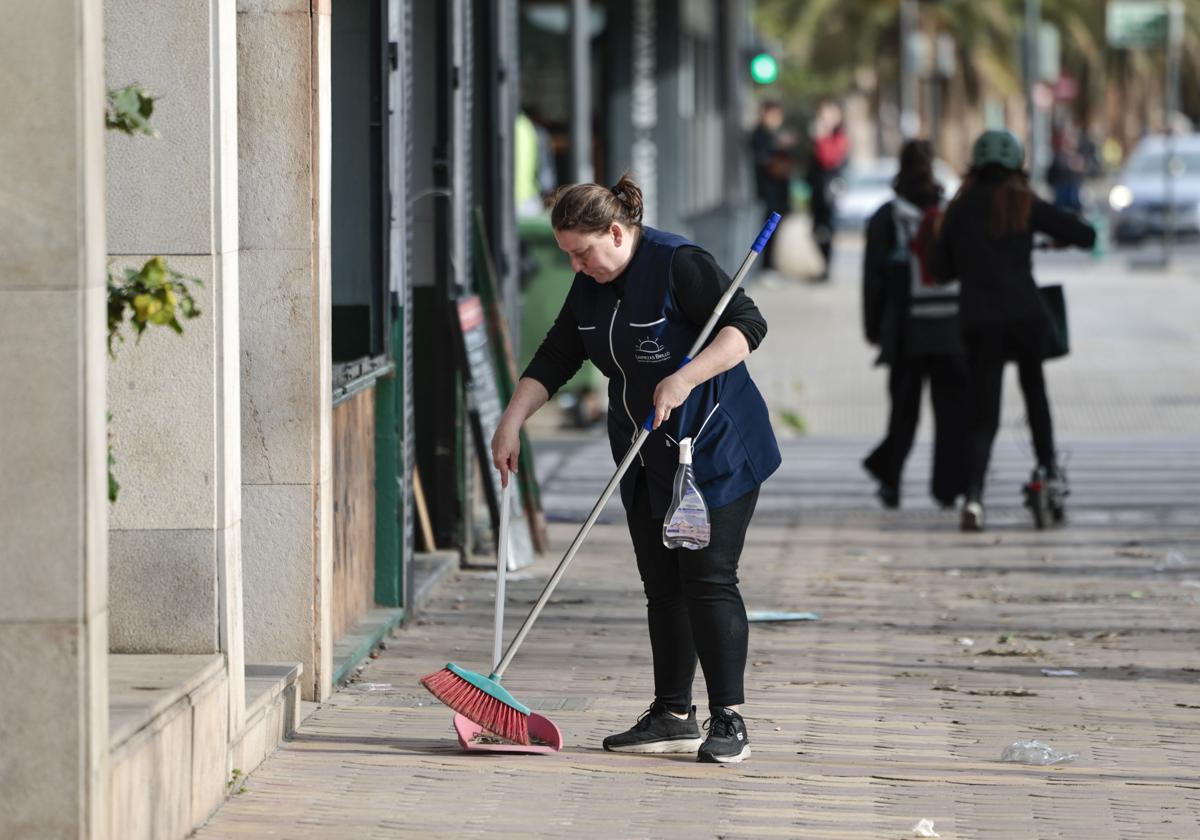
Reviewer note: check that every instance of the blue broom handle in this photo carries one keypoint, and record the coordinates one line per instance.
(623, 467)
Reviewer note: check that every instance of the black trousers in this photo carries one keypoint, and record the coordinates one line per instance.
(777, 200)
(823, 212)
(947, 377)
(693, 605)
(987, 352)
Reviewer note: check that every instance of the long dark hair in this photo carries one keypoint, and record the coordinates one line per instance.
(1012, 197)
(592, 208)
(915, 182)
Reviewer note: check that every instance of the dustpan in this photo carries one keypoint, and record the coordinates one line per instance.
(544, 736)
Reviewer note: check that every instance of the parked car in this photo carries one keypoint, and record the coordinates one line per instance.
(867, 185)
(1139, 199)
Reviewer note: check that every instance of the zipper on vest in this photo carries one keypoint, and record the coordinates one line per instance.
(624, 379)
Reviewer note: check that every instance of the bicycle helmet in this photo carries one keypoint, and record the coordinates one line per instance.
(1000, 147)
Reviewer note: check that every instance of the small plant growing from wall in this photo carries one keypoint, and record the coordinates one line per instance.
(155, 294)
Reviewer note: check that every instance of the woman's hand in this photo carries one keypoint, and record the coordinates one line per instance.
(529, 396)
(670, 394)
(506, 449)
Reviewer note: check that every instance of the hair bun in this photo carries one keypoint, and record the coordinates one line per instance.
(629, 194)
(592, 208)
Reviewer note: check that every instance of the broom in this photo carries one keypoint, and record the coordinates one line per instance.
(484, 700)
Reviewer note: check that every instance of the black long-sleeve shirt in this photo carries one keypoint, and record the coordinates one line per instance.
(697, 283)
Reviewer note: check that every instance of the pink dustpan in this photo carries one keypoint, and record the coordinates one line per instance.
(540, 728)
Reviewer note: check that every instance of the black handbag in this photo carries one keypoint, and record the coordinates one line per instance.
(1058, 340)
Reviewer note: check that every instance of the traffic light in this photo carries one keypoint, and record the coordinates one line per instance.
(764, 69)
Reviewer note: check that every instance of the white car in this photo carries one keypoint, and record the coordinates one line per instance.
(867, 185)
(1139, 198)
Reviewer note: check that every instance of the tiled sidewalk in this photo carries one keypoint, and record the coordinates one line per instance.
(928, 657)
(895, 706)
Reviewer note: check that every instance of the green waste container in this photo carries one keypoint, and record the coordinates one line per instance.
(546, 278)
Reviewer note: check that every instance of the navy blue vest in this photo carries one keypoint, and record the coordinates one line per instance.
(640, 339)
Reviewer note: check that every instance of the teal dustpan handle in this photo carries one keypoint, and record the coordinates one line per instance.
(623, 467)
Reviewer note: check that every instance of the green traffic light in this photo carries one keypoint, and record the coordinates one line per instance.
(764, 69)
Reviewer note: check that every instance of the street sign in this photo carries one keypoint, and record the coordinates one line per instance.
(485, 410)
(1137, 23)
(1049, 52)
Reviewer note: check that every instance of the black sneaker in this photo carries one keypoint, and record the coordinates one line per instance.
(657, 731)
(727, 741)
(889, 495)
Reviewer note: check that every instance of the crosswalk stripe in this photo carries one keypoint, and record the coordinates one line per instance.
(825, 475)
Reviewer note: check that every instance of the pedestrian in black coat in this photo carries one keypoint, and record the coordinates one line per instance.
(987, 243)
(773, 150)
(914, 322)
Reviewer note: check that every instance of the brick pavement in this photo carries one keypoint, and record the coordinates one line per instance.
(1132, 369)
(862, 723)
(879, 714)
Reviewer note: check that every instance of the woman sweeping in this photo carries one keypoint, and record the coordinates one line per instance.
(639, 299)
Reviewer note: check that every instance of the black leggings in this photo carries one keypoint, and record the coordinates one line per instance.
(693, 604)
(987, 352)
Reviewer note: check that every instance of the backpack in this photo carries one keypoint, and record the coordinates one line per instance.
(930, 324)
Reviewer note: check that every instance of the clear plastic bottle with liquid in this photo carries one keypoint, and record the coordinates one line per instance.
(686, 524)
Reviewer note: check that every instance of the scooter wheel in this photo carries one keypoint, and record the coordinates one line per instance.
(1035, 500)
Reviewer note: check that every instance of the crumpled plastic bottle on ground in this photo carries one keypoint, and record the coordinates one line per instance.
(924, 828)
(1035, 752)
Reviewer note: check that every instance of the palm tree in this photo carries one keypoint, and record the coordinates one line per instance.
(830, 47)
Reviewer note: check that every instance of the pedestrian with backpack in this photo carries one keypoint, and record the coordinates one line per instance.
(914, 321)
(986, 242)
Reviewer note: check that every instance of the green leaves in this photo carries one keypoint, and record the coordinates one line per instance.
(153, 295)
(113, 486)
(129, 109)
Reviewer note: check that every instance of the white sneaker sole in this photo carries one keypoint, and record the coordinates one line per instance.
(675, 745)
(726, 759)
(972, 518)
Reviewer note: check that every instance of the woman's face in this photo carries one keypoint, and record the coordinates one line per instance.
(602, 256)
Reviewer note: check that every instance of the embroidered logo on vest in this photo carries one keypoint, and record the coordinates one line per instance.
(649, 351)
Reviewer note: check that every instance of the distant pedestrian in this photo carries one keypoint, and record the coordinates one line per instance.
(774, 160)
(827, 159)
(987, 243)
(1066, 172)
(914, 322)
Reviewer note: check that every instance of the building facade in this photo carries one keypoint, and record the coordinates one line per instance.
(329, 172)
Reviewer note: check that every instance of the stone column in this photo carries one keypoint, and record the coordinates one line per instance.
(175, 531)
(284, 150)
(53, 505)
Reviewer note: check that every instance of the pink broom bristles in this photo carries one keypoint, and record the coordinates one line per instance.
(477, 705)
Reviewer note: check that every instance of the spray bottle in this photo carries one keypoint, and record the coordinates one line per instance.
(686, 524)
